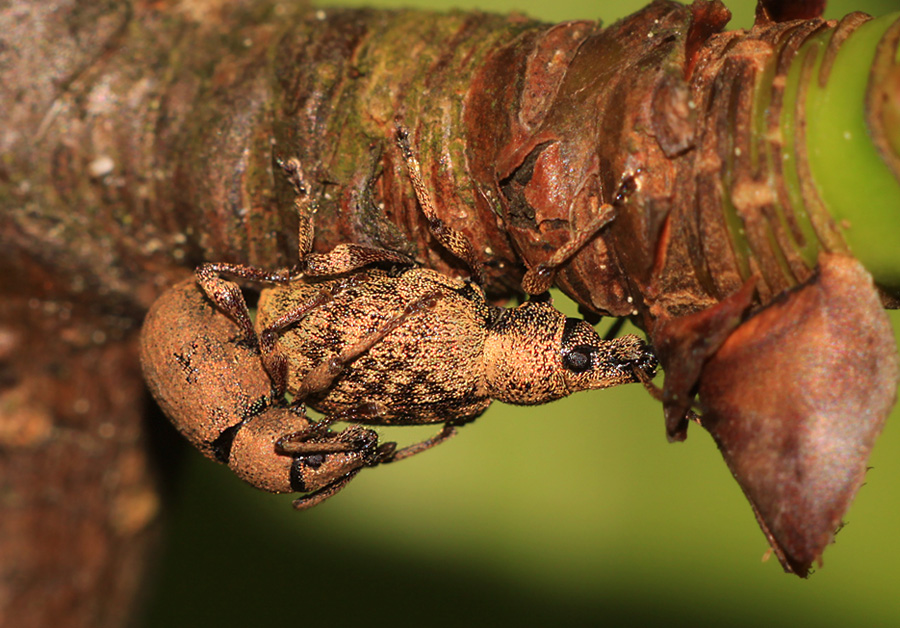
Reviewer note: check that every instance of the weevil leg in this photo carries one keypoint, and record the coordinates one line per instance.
(615, 328)
(354, 438)
(450, 238)
(322, 376)
(659, 395)
(304, 442)
(272, 359)
(317, 497)
(304, 204)
(386, 453)
(294, 316)
(342, 259)
(276, 365)
(316, 439)
(538, 279)
(346, 258)
(448, 431)
(227, 295)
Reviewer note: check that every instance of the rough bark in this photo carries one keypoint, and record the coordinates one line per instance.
(139, 140)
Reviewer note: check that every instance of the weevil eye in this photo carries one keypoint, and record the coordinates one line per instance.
(578, 360)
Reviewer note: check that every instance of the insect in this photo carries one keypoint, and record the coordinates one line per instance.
(211, 383)
(367, 336)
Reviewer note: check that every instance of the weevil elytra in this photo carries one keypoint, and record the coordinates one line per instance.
(367, 336)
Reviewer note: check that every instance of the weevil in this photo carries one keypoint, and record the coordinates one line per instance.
(212, 384)
(368, 337)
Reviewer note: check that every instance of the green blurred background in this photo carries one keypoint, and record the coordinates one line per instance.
(576, 513)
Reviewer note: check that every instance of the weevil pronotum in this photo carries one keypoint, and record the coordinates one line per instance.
(365, 336)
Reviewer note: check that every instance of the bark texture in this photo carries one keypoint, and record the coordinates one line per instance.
(142, 139)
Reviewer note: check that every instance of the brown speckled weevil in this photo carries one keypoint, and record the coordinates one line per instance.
(365, 336)
(210, 381)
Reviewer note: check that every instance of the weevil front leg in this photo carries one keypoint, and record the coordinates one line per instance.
(539, 278)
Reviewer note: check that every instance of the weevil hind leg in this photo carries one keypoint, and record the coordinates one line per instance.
(322, 376)
(356, 441)
(273, 360)
(347, 258)
(317, 439)
(313, 440)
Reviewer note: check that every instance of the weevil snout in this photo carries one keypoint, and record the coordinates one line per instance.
(638, 359)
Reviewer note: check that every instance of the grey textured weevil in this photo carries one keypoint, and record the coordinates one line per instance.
(366, 336)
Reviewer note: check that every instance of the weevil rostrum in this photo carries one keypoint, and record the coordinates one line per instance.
(367, 337)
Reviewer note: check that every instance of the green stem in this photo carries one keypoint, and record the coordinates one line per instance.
(855, 184)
